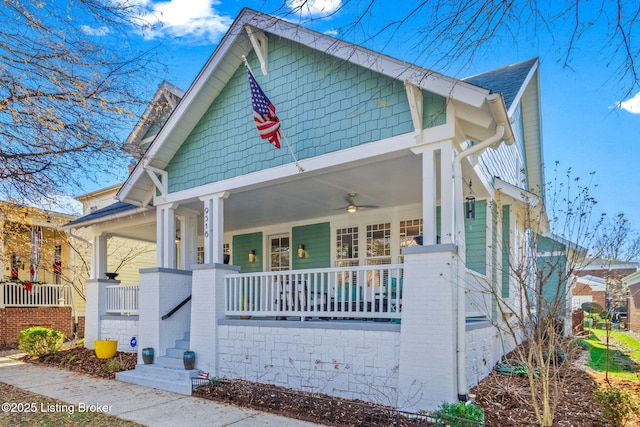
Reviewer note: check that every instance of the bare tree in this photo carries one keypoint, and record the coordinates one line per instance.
(69, 84)
(529, 301)
(443, 35)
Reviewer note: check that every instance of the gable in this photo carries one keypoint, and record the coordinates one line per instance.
(324, 104)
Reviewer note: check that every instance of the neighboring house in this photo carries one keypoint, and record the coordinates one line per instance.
(632, 284)
(126, 256)
(38, 286)
(372, 226)
(605, 279)
(588, 289)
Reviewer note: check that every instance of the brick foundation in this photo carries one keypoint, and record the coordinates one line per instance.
(15, 319)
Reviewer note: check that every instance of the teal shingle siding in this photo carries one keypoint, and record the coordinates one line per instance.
(551, 265)
(475, 232)
(324, 104)
(242, 245)
(316, 239)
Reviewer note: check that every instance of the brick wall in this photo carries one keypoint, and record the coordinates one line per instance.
(355, 364)
(633, 316)
(15, 319)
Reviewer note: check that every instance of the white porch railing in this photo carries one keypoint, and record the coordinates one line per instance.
(123, 299)
(373, 291)
(39, 295)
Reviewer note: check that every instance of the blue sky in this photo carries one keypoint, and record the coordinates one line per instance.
(590, 124)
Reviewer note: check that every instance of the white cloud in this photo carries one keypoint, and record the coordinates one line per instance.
(631, 105)
(102, 31)
(178, 18)
(314, 7)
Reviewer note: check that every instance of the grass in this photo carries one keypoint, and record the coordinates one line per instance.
(42, 411)
(622, 364)
(629, 342)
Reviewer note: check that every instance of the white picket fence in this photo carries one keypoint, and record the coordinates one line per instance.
(39, 295)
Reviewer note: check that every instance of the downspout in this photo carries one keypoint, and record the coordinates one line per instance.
(461, 267)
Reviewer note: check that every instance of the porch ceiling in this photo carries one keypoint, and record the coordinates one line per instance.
(384, 182)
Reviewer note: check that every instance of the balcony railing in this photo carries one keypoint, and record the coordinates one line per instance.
(372, 292)
(35, 295)
(123, 299)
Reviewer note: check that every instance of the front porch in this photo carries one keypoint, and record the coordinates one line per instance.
(331, 330)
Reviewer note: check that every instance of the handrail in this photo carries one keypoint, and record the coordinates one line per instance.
(176, 308)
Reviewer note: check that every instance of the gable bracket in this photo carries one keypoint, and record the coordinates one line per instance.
(259, 42)
(160, 179)
(414, 94)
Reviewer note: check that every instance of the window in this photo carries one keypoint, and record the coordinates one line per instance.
(200, 252)
(279, 252)
(347, 246)
(379, 244)
(409, 230)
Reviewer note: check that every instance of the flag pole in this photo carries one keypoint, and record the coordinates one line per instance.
(295, 160)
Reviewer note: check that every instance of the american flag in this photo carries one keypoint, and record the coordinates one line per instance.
(264, 113)
(203, 375)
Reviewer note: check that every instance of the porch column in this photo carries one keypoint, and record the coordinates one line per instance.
(428, 368)
(98, 255)
(429, 197)
(166, 234)
(447, 203)
(188, 240)
(96, 307)
(214, 227)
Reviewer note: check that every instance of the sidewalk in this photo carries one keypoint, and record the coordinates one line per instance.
(143, 405)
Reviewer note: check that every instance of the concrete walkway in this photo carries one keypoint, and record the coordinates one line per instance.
(143, 405)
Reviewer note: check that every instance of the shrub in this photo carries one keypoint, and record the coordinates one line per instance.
(38, 341)
(617, 405)
(459, 415)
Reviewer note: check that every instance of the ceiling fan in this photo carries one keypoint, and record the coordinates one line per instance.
(352, 207)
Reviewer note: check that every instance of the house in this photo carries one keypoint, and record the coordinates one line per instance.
(39, 285)
(364, 261)
(632, 285)
(126, 257)
(588, 289)
(601, 281)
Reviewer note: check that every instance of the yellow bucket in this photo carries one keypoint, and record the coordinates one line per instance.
(105, 349)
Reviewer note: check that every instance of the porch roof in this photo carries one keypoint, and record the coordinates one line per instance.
(112, 211)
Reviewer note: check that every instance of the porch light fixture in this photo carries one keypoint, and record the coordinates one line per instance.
(352, 208)
(177, 238)
(252, 255)
(301, 252)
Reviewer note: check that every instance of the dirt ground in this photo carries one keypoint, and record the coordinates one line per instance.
(505, 399)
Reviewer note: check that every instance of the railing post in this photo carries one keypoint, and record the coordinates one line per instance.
(2, 301)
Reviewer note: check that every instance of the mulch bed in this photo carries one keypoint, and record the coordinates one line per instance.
(507, 400)
(314, 407)
(84, 361)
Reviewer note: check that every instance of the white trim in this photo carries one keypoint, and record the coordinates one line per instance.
(414, 95)
(159, 177)
(260, 45)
